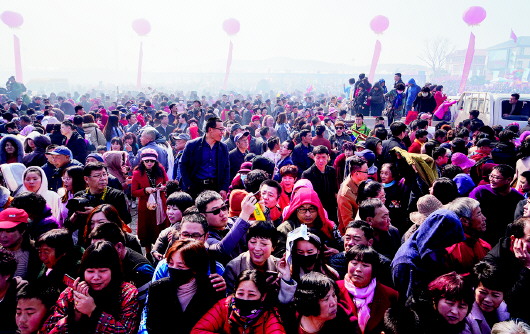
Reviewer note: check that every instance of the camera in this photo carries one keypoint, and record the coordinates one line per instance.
(77, 204)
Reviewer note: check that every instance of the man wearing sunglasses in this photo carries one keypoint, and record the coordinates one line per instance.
(226, 237)
(338, 139)
(347, 196)
(205, 164)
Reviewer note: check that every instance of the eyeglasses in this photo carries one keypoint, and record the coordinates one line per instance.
(494, 177)
(306, 210)
(220, 129)
(362, 171)
(100, 176)
(218, 210)
(66, 178)
(192, 236)
(150, 161)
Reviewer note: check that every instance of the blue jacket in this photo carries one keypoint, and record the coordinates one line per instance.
(412, 91)
(420, 259)
(191, 160)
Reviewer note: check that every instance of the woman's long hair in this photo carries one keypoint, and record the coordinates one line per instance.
(112, 123)
(157, 171)
(110, 213)
(78, 181)
(102, 254)
(320, 264)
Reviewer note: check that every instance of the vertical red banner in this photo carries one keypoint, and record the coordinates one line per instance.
(467, 64)
(18, 61)
(228, 64)
(375, 60)
(140, 59)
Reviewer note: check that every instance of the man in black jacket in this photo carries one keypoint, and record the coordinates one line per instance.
(324, 180)
(165, 129)
(399, 131)
(303, 153)
(511, 255)
(98, 192)
(238, 154)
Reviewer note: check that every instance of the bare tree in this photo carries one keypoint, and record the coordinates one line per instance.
(435, 53)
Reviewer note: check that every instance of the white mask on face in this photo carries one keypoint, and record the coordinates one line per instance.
(400, 91)
(424, 94)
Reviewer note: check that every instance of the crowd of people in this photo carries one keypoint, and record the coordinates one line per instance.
(154, 214)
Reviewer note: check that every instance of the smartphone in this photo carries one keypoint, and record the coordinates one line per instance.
(273, 274)
(68, 280)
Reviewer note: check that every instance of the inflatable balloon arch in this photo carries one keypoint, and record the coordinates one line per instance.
(14, 21)
(142, 27)
(473, 16)
(231, 27)
(378, 25)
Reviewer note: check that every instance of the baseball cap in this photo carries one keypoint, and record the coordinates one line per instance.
(11, 217)
(246, 167)
(235, 126)
(61, 150)
(182, 136)
(369, 156)
(240, 135)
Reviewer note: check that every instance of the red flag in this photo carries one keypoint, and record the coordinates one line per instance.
(513, 36)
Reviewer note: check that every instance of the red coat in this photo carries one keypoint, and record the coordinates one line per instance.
(384, 298)
(148, 230)
(218, 320)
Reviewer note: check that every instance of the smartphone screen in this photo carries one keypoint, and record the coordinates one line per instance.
(68, 280)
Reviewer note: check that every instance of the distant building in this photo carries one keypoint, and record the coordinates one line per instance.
(510, 60)
(456, 59)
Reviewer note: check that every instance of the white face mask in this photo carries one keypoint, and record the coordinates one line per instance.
(400, 91)
(424, 94)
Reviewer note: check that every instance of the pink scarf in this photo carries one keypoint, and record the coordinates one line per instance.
(185, 293)
(362, 297)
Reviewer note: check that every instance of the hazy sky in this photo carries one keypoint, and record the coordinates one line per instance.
(96, 35)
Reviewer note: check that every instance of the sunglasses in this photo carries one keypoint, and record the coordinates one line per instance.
(218, 210)
(148, 161)
(339, 128)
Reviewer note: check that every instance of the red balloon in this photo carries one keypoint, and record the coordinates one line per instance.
(231, 26)
(12, 19)
(141, 26)
(474, 15)
(379, 24)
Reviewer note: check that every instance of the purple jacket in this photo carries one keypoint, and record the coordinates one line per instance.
(476, 322)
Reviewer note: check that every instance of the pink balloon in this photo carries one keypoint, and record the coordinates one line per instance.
(12, 19)
(379, 24)
(474, 15)
(231, 26)
(141, 26)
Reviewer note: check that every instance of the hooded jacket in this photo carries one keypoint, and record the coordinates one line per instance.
(52, 199)
(94, 135)
(114, 161)
(412, 91)
(420, 259)
(12, 174)
(3, 154)
(37, 157)
(324, 232)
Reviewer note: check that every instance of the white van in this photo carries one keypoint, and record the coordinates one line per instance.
(490, 106)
